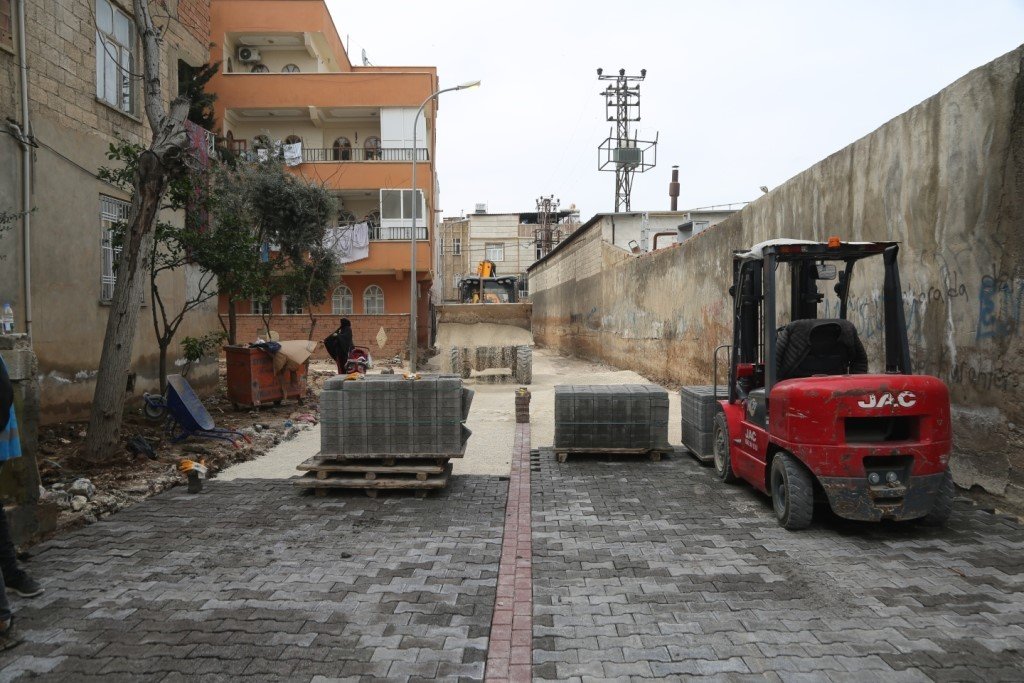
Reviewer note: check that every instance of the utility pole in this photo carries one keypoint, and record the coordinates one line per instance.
(547, 216)
(621, 153)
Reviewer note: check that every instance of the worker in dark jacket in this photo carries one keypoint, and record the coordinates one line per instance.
(14, 578)
(339, 344)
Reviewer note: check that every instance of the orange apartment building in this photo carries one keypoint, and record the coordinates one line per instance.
(285, 77)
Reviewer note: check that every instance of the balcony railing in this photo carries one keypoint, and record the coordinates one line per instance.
(328, 154)
(396, 234)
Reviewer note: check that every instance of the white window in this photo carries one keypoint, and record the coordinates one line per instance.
(373, 300)
(457, 246)
(292, 306)
(396, 208)
(115, 57)
(112, 212)
(495, 251)
(260, 306)
(341, 301)
(456, 279)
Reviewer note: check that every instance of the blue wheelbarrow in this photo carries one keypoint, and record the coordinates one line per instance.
(185, 413)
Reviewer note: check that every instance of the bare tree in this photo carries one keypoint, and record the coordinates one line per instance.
(160, 161)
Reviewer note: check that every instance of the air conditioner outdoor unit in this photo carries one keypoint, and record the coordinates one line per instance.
(627, 155)
(248, 54)
(481, 208)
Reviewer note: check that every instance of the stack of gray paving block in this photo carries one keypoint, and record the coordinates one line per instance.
(394, 416)
(611, 416)
(699, 404)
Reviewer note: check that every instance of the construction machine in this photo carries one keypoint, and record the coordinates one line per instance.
(806, 415)
(488, 329)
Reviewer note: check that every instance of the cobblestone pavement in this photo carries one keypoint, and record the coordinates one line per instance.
(252, 580)
(645, 569)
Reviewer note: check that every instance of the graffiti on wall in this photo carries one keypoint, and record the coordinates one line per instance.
(1000, 298)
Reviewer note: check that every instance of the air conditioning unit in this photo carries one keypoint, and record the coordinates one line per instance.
(248, 54)
(481, 208)
(627, 155)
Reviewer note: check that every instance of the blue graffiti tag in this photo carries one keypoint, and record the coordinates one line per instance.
(999, 306)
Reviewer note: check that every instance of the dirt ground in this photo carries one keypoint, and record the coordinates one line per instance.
(128, 477)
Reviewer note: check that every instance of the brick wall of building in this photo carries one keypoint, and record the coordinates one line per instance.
(194, 16)
(62, 57)
(365, 329)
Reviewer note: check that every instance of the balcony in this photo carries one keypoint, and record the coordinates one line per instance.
(379, 234)
(332, 154)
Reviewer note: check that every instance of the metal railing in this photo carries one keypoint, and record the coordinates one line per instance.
(396, 234)
(329, 154)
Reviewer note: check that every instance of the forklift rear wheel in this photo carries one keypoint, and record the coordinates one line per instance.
(792, 493)
(723, 463)
(943, 506)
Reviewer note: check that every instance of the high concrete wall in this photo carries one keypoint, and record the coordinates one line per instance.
(945, 179)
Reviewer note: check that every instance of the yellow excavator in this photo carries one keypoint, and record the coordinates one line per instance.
(489, 328)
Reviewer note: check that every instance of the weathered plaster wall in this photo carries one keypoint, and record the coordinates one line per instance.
(73, 130)
(945, 178)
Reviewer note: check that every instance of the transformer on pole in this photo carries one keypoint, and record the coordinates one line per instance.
(621, 153)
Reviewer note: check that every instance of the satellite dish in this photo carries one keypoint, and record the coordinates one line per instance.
(366, 60)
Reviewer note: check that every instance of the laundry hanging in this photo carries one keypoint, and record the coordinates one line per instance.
(350, 242)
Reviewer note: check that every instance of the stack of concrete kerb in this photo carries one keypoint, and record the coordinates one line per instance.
(612, 418)
(389, 431)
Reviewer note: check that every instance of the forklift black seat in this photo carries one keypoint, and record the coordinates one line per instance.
(827, 346)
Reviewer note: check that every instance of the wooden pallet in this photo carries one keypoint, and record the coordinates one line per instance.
(389, 457)
(562, 454)
(371, 477)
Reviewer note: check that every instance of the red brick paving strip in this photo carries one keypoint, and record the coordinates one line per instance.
(510, 650)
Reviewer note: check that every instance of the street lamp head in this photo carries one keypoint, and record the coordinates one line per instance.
(469, 85)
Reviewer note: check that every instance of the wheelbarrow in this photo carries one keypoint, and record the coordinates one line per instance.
(187, 416)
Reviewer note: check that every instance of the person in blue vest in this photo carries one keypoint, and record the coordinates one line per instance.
(15, 578)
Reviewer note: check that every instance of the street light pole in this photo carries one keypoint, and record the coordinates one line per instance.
(413, 284)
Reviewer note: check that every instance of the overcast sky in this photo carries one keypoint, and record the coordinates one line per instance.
(743, 94)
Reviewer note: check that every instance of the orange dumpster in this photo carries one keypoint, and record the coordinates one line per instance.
(252, 382)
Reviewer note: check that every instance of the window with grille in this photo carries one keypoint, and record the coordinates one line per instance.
(115, 57)
(260, 306)
(112, 212)
(495, 251)
(457, 246)
(373, 300)
(341, 301)
(292, 305)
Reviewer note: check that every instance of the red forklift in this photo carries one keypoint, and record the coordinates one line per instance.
(805, 421)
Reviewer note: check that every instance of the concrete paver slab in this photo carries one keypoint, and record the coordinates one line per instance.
(662, 566)
(251, 578)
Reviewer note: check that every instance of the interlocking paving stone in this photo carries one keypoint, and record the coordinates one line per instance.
(253, 580)
(697, 579)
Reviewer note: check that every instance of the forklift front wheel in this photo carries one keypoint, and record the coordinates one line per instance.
(943, 507)
(723, 463)
(792, 493)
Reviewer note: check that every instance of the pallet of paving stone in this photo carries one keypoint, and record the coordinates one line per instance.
(390, 415)
(562, 454)
(698, 407)
(623, 418)
(421, 479)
